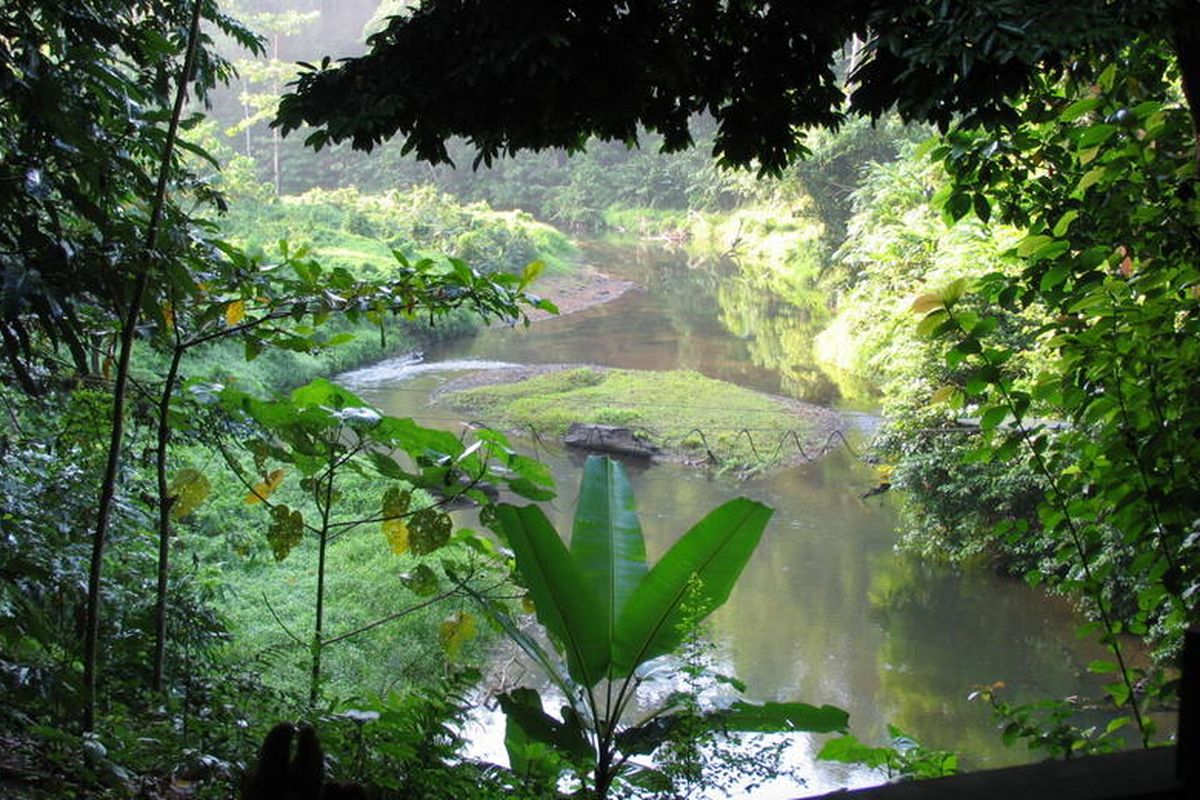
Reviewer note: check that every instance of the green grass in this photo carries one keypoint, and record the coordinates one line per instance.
(358, 231)
(362, 585)
(667, 408)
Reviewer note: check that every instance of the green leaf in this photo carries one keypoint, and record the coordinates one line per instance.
(957, 206)
(607, 541)
(188, 490)
(983, 208)
(715, 551)
(326, 393)
(1064, 222)
(1079, 108)
(422, 581)
(777, 717)
(993, 417)
(428, 530)
(285, 532)
(927, 326)
(527, 722)
(564, 600)
(455, 631)
(1093, 175)
(953, 291)
(1030, 244)
(849, 750)
(1054, 276)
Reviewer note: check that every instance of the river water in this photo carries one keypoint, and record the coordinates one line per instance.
(826, 612)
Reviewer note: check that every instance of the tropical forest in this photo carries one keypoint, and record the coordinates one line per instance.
(550, 399)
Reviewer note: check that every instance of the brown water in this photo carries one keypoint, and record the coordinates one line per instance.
(826, 611)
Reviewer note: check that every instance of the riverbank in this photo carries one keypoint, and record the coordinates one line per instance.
(683, 416)
(577, 291)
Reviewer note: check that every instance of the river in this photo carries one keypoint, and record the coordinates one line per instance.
(826, 612)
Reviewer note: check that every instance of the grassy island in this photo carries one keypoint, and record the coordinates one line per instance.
(682, 412)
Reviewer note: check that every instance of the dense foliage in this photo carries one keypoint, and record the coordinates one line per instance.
(1040, 401)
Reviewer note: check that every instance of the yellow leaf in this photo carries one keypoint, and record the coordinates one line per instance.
(531, 272)
(264, 489)
(188, 490)
(925, 302)
(456, 630)
(943, 394)
(396, 531)
(235, 312)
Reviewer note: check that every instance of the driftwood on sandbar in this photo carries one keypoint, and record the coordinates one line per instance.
(607, 439)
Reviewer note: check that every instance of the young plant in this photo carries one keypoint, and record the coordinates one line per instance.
(330, 439)
(610, 614)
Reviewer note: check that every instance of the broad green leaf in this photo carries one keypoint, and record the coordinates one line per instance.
(849, 750)
(428, 530)
(455, 631)
(742, 717)
(285, 532)
(422, 581)
(517, 633)
(607, 541)
(1079, 108)
(188, 490)
(1030, 244)
(564, 600)
(953, 292)
(322, 392)
(1093, 175)
(715, 551)
(776, 717)
(931, 321)
(993, 417)
(527, 722)
(1101, 667)
(1064, 222)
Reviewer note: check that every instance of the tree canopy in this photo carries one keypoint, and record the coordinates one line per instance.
(511, 76)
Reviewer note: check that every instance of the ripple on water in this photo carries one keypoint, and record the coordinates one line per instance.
(409, 366)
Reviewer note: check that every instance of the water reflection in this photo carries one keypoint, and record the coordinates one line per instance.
(826, 612)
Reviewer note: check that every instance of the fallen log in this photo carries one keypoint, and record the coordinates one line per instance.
(607, 439)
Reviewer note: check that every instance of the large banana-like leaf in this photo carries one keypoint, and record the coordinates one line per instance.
(714, 551)
(564, 601)
(528, 723)
(607, 541)
(744, 717)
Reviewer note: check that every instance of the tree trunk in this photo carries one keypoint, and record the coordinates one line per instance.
(108, 485)
(1187, 54)
(164, 520)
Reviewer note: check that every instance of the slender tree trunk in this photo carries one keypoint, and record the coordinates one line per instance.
(246, 114)
(1187, 55)
(275, 131)
(318, 626)
(164, 519)
(108, 485)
